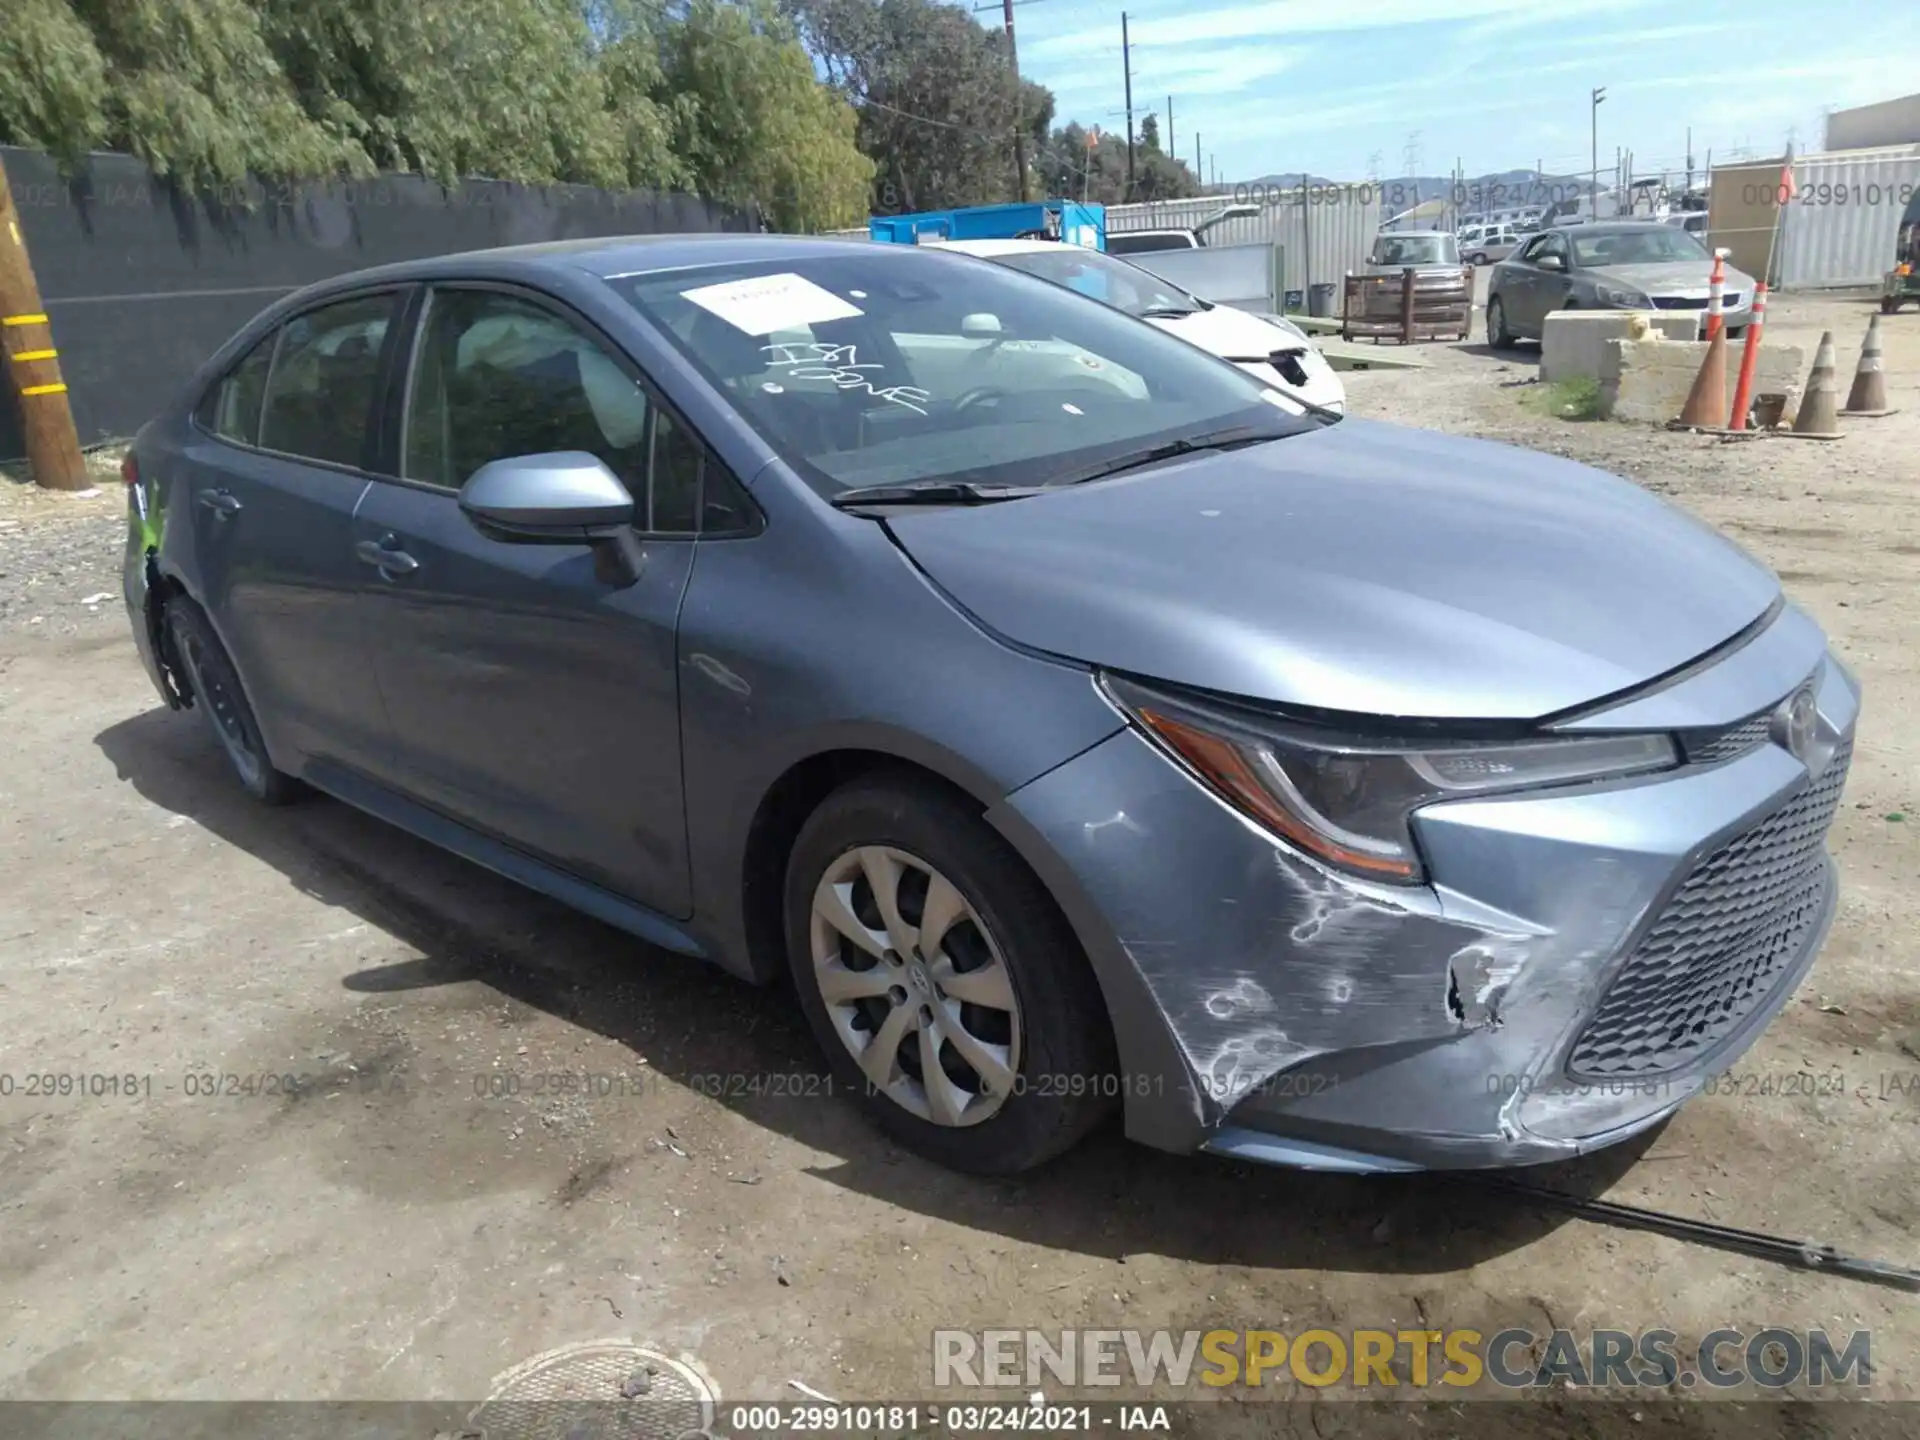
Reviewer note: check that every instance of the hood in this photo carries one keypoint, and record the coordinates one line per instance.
(1360, 567)
(1231, 334)
(1673, 277)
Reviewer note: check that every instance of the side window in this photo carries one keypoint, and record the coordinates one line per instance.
(677, 461)
(495, 376)
(231, 406)
(319, 392)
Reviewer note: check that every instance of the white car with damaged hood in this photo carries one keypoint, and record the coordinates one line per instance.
(1268, 347)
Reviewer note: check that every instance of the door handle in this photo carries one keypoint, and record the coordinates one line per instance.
(220, 502)
(386, 554)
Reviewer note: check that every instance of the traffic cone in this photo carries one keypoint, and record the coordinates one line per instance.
(1816, 418)
(1706, 406)
(1869, 393)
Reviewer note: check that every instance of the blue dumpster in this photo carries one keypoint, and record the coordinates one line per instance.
(1068, 221)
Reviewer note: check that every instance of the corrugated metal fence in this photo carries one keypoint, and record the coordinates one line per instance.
(1327, 230)
(1840, 228)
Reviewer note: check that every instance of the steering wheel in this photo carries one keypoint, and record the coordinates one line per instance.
(979, 395)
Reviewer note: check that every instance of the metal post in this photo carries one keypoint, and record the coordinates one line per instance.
(1593, 176)
(1126, 63)
(1019, 117)
(31, 362)
(1172, 149)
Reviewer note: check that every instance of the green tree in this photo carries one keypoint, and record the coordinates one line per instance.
(935, 94)
(190, 86)
(510, 89)
(753, 122)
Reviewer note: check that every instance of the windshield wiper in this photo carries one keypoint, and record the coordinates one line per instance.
(1169, 312)
(931, 492)
(1172, 450)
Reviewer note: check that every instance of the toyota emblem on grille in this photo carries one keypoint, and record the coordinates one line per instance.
(1794, 723)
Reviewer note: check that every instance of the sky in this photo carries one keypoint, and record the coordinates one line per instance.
(1347, 88)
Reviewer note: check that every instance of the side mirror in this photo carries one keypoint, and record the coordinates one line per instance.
(1551, 262)
(565, 498)
(980, 326)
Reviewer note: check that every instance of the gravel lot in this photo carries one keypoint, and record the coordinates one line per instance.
(422, 1217)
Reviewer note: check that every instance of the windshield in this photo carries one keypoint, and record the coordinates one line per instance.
(900, 365)
(1403, 250)
(1112, 282)
(1595, 248)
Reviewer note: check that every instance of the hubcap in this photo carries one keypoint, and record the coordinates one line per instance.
(915, 985)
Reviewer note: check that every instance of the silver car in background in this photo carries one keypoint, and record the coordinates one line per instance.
(1398, 250)
(1611, 265)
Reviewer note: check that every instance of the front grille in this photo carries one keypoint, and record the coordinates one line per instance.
(1714, 955)
(1730, 301)
(1678, 302)
(1710, 747)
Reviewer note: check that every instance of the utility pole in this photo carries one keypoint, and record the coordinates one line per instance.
(1019, 126)
(1172, 149)
(1199, 162)
(1689, 159)
(1126, 64)
(1593, 180)
(31, 362)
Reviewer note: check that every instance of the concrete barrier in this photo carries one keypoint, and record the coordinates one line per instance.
(1648, 380)
(1573, 342)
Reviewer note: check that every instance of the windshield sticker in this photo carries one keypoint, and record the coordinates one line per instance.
(766, 303)
(841, 367)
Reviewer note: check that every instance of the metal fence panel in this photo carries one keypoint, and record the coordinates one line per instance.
(1840, 228)
(1323, 232)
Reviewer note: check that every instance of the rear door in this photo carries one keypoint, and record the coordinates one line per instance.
(530, 698)
(277, 459)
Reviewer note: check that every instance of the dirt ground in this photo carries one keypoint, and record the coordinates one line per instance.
(419, 1217)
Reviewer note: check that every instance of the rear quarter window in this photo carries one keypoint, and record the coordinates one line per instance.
(231, 406)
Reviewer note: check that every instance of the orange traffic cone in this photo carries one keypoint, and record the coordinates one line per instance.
(1816, 419)
(1706, 406)
(1869, 393)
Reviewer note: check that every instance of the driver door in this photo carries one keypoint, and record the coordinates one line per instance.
(1550, 285)
(529, 697)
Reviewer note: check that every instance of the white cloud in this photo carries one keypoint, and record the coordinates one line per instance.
(1292, 17)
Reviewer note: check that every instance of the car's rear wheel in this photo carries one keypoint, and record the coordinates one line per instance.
(1477, 258)
(1498, 335)
(218, 694)
(941, 980)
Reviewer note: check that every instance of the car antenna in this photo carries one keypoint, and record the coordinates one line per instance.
(1799, 1254)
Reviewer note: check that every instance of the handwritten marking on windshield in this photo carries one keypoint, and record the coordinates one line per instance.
(841, 367)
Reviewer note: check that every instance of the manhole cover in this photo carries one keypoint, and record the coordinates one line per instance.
(600, 1390)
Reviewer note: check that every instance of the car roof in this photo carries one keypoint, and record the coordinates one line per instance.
(605, 257)
(997, 247)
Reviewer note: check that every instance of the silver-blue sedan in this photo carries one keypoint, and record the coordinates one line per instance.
(1080, 725)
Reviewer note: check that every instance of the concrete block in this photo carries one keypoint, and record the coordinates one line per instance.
(1648, 380)
(1573, 342)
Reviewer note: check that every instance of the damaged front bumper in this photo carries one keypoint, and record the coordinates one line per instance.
(1583, 961)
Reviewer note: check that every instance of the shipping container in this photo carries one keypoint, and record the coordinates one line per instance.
(1839, 229)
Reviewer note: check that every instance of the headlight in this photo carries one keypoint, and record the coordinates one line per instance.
(1349, 801)
(1623, 297)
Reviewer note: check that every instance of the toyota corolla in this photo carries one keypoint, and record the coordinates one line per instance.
(1078, 723)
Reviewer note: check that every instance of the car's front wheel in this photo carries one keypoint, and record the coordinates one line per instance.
(1498, 335)
(218, 693)
(1477, 258)
(942, 981)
